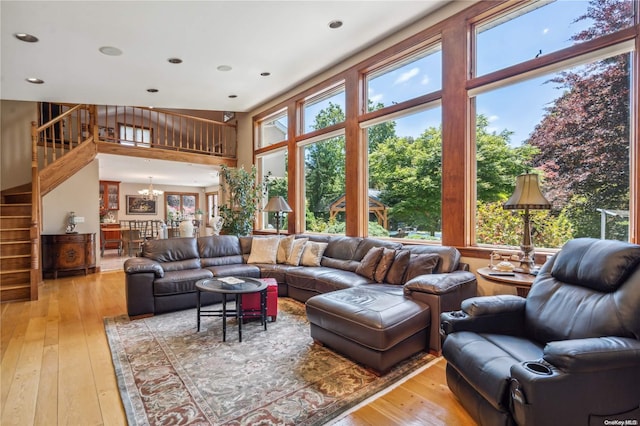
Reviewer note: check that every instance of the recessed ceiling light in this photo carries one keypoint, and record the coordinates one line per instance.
(335, 24)
(26, 37)
(174, 60)
(224, 68)
(110, 51)
(34, 80)
(152, 90)
(233, 96)
(265, 74)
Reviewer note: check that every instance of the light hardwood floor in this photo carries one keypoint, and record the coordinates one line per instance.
(56, 365)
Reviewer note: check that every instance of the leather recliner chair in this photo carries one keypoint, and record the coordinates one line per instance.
(568, 354)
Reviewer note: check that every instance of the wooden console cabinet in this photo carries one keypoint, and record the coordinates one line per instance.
(68, 253)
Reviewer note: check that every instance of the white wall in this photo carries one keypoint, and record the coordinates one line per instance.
(15, 142)
(79, 194)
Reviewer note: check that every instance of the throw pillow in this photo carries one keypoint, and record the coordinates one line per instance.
(369, 262)
(312, 253)
(284, 248)
(399, 267)
(263, 250)
(386, 260)
(296, 251)
(421, 264)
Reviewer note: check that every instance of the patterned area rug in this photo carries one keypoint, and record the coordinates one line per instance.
(170, 374)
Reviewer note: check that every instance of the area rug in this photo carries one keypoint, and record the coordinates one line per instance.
(170, 374)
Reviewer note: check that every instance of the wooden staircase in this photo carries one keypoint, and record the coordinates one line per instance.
(15, 245)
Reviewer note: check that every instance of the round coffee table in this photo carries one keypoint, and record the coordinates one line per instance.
(233, 286)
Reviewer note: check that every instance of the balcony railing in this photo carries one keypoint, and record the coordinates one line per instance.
(161, 129)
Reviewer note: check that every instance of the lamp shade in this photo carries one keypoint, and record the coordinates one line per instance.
(277, 204)
(527, 194)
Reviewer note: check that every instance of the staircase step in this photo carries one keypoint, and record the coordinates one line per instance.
(23, 209)
(14, 234)
(15, 248)
(15, 292)
(17, 198)
(10, 263)
(15, 278)
(15, 221)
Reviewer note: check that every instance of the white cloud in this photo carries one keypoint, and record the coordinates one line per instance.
(406, 76)
(376, 98)
(545, 31)
(493, 118)
(425, 80)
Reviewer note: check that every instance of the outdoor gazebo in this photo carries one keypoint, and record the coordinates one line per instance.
(375, 206)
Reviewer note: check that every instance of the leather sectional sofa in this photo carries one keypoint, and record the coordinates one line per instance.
(163, 278)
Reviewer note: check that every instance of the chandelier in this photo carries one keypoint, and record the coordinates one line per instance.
(150, 193)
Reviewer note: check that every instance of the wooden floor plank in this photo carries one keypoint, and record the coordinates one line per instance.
(20, 405)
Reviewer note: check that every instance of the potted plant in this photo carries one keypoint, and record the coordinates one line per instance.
(198, 215)
(243, 195)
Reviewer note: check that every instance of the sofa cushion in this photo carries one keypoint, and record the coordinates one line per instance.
(449, 256)
(179, 281)
(339, 280)
(219, 246)
(420, 264)
(239, 269)
(600, 265)
(368, 243)
(297, 247)
(341, 247)
(485, 361)
(369, 262)
(170, 250)
(386, 260)
(398, 267)
(312, 253)
(181, 265)
(284, 248)
(264, 250)
(343, 264)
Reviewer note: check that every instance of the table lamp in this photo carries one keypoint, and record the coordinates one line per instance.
(527, 196)
(277, 205)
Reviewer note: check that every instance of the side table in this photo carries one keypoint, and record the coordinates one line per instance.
(235, 287)
(522, 282)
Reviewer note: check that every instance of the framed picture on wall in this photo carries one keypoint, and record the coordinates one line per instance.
(139, 205)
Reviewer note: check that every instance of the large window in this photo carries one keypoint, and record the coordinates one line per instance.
(571, 126)
(542, 27)
(272, 129)
(272, 169)
(446, 119)
(324, 184)
(405, 176)
(324, 109)
(413, 76)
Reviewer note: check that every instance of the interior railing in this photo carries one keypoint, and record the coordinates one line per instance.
(161, 129)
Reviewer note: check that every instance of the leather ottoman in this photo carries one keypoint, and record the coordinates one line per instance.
(376, 325)
(252, 301)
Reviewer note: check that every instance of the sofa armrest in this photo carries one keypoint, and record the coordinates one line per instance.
(443, 293)
(137, 265)
(593, 354)
(438, 283)
(503, 314)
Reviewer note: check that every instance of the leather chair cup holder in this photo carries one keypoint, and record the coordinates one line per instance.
(538, 368)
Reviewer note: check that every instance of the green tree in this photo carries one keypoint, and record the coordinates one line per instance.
(496, 225)
(325, 166)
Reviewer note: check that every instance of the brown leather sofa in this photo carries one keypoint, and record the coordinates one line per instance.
(568, 354)
(163, 278)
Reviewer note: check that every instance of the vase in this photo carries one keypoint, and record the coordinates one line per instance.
(186, 228)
